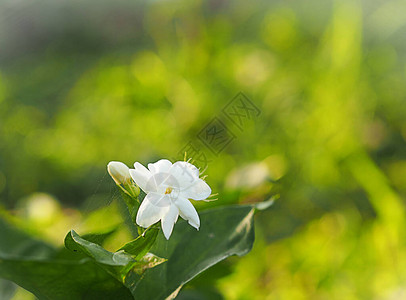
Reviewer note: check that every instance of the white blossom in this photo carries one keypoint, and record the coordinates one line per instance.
(169, 187)
(119, 172)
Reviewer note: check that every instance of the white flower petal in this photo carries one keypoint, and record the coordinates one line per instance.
(182, 215)
(119, 172)
(141, 176)
(152, 209)
(161, 166)
(169, 220)
(188, 211)
(159, 182)
(199, 190)
(185, 173)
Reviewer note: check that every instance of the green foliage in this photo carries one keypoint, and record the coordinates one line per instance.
(48, 278)
(82, 88)
(96, 273)
(142, 244)
(117, 264)
(224, 231)
(7, 289)
(63, 280)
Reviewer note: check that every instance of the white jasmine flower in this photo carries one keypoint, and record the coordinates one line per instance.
(119, 172)
(169, 187)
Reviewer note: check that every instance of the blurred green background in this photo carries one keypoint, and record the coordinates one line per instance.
(84, 83)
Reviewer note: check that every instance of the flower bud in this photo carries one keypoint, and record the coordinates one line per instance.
(119, 172)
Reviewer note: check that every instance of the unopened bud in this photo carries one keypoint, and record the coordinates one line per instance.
(119, 172)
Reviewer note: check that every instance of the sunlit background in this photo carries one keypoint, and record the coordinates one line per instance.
(84, 83)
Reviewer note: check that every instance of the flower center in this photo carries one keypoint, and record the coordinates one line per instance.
(168, 190)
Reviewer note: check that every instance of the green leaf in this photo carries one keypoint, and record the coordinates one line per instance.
(26, 262)
(223, 232)
(148, 261)
(142, 244)
(100, 274)
(98, 238)
(118, 264)
(59, 280)
(7, 289)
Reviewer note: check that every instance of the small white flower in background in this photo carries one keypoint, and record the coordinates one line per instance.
(169, 187)
(119, 172)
